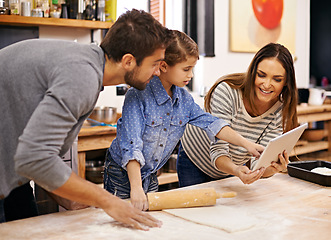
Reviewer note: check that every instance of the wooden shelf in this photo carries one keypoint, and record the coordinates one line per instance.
(313, 114)
(13, 20)
(310, 147)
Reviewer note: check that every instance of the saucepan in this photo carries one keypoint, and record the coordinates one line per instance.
(104, 114)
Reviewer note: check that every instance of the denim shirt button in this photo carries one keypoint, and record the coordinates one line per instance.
(161, 145)
(153, 123)
(164, 129)
(168, 114)
(156, 160)
(180, 122)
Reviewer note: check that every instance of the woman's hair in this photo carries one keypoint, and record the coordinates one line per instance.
(136, 32)
(180, 48)
(245, 82)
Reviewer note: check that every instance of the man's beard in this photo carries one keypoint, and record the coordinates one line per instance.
(131, 79)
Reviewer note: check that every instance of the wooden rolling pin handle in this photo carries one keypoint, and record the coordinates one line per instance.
(228, 194)
(218, 195)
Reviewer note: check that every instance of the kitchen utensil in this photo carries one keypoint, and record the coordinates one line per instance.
(303, 171)
(55, 14)
(316, 96)
(94, 174)
(184, 198)
(97, 123)
(26, 9)
(314, 134)
(104, 114)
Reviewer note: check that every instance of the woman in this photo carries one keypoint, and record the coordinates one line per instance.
(259, 104)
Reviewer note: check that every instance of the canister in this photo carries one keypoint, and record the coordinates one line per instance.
(37, 12)
(26, 9)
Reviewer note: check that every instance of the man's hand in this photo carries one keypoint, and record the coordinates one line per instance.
(126, 213)
(85, 192)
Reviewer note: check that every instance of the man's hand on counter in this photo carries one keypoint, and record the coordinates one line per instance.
(125, 212)
(88, 193)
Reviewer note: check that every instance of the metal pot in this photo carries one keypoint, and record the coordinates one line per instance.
(104, 114)
(94, 174)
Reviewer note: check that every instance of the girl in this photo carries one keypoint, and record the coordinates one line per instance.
(259, 104)
(153, 120)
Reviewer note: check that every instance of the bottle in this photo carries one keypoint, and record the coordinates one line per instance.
(90, 10)
(72, 8)
(54, 5)
(45, 8)
(64, 10)
(110, 10)
(101, 10)
(80, 9)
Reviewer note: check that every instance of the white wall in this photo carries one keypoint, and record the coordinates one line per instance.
(208, 70)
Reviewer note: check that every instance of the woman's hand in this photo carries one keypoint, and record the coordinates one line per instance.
(279, 166)
(247, 176)
(138, 198)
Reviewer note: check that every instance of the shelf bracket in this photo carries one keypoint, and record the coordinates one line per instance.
(92, 35)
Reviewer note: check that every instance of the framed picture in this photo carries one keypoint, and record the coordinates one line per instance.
(255, 23)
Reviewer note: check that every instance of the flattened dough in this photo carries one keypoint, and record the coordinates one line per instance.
(322, 170)
(226, 218)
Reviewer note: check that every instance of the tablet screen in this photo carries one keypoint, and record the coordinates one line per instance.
(277, 145)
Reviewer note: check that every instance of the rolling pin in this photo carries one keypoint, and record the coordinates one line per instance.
(184, 198)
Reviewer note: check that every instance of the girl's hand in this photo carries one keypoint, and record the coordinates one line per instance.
(138, 198)
(254, 148)
(247, 176)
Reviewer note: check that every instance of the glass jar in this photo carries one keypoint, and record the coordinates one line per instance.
(14, 6)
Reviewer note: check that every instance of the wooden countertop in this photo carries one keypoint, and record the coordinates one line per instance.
(96, 130)
(286, 207)
(301, 109)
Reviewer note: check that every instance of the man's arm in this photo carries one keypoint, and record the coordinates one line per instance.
(85, 192)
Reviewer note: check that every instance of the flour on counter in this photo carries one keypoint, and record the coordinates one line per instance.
(226, 218)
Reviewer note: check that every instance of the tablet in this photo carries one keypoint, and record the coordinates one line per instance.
(277, 145)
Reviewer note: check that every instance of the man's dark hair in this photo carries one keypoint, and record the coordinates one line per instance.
(138, 33)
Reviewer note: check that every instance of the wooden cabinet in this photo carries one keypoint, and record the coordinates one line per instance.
(313, 114)
(100, 137)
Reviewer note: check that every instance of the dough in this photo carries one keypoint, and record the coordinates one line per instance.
(226, 218)
(322, 170)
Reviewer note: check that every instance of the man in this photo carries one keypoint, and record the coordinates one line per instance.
(47, 89)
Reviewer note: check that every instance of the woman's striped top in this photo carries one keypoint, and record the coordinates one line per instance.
(227, 103)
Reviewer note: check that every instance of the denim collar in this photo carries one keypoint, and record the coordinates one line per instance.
(161, 94)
